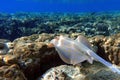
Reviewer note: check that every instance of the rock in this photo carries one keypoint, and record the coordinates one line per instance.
(45, 37)
(103, 75)
(4, 40)
(108, 47)
(25, 24)
(10, 59)
(12, 72)
(33, 56)
(63, 72)
(95, 71)
(4, 47)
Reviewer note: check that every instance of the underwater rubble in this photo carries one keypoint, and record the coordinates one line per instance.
(26, 52)
(34, 58)
(16, 25)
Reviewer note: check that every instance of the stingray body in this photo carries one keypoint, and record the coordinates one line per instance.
(79, 50)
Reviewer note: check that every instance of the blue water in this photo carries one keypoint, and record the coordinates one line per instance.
(11, 6)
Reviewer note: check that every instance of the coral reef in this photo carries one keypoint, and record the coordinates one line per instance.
(109, 47)
(12, 72)
(16, 25)
(26, 52)
(34, 56)
(89, 72)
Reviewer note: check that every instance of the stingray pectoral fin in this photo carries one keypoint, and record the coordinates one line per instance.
(63, 55)
(76, 59)
(70, 54)
(83, 40)
(109, 65)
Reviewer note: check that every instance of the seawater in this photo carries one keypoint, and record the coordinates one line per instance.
(26, 17)
(12, 6)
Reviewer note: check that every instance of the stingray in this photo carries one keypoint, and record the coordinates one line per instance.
(79, 50)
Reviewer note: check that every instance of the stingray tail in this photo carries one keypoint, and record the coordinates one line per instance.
(109, 65)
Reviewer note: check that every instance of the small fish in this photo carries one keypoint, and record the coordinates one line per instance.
(79, 50)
